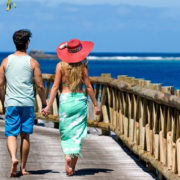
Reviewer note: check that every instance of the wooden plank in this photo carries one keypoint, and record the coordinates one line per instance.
(120, 113)
(39, 103)
(55, 108)
(148, 136)
(163, 142)
(47, 89)
(178, 155)
(134, 111)
(169, 150)
(105, 114)
(155, 132)
(142, 128)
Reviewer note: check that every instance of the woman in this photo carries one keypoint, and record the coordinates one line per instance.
(72, 73)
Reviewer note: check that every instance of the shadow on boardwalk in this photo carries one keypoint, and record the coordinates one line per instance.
(91, 171)
(38, 172)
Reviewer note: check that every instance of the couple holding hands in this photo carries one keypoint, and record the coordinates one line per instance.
(18, 70)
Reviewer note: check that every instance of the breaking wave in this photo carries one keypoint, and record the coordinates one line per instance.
(132, 58)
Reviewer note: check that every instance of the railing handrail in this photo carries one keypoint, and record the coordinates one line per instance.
(155, 95)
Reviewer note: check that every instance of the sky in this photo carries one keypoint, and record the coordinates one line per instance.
(113, 25)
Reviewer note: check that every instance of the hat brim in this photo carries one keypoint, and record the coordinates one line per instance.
(66, 56)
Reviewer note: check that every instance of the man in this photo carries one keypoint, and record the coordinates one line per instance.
(18, 70)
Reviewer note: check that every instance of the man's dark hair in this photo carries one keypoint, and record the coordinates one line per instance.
(20, 39)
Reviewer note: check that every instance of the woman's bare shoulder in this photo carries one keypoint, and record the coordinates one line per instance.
(59, 66)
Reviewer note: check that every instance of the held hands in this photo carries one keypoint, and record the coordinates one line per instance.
(97, 110)
(45, 111)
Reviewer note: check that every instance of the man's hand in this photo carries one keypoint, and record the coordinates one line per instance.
(97, 110)
(46, 111)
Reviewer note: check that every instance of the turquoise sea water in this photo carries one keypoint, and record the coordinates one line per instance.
(158, 67)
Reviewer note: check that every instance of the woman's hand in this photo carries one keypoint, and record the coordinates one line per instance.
(97, 110)
(46, 111)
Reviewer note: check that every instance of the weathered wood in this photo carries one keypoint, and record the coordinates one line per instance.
(169, 150)
(105, 114)
(168, 89)
(155, 95)
(178, 155)
(145, 116)
(177, 93)
(39, 104)
(162, 139)
(147, 157)
(47, 89)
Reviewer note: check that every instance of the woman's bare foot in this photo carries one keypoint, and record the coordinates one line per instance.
(74, 161)
(13, 171)
(24, 172)
(68, 167)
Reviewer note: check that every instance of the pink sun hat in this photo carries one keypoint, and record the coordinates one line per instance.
(74, 51)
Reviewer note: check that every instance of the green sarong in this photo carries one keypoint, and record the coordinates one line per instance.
(73, 122)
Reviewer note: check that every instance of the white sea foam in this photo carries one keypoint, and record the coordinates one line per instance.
(132, 58)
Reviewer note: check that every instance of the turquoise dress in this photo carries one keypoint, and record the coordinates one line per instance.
(73, 122)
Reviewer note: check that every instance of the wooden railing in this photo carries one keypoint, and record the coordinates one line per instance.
(144, 116)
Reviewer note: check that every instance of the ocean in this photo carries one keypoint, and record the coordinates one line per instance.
(157, 67)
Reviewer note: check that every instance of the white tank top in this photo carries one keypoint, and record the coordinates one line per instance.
(19, 77)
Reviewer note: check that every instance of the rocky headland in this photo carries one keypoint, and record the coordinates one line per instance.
(38, 54)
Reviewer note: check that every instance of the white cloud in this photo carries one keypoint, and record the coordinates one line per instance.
(122, 11)
(170, 13)
(72, 9)
(1, 27)
(44, 16)
(147, 3)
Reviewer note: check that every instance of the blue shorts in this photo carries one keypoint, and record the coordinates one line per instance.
(19, 119)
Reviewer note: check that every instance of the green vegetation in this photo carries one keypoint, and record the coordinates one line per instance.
(10, 4)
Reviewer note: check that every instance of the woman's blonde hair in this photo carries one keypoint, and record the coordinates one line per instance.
(74, 75)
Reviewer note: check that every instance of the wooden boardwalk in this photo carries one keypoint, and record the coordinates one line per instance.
(103, 159)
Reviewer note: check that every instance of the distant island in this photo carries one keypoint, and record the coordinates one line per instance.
(38, 54)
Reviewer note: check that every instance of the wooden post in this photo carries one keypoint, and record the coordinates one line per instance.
(161, 137)
(178, 155)
(108, 75)
(168, 89)
(47, 89)
(120, 113)
(122, 77)
(156, 86)
(177, 92)
(56, 125)
(174, 157)
(35, 121)
(134, 109)
(125, 119)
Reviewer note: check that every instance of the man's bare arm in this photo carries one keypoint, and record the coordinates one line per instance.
(38, 80)
(2, 81)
